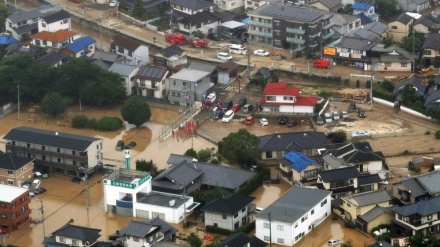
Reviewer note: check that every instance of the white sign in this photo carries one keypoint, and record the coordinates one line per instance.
(344, 54)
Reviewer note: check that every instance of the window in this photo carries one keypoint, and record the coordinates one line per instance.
(323, 202)
(13, 143)
(290, 98)
(135, 239)
(244, 209)
(28, 145)
(44, 42)
(43, 24)
(236, 215)
(280, 241)
(58, 150)
(62, 240)
(74, 162)
(296, 224)
(43, 157)
(2, 205)
(224, 216)
(313, 211)
(403, 65)
(302, 219)
(130, 53)
(43, 147)
(120, 49)
(280, 227)
(266, 238)
(73, 152)
(430, 217)
(426, 52)
(271, 98)
(10, 172)
(310, 227)
(269, 155)
(65, 21)
(59, 160)
(3, 216)
(37, 42)
(75, 242)
(266, 225)
(393, 27)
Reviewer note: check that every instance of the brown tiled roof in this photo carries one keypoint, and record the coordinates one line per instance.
(127, 43)
(57, 36)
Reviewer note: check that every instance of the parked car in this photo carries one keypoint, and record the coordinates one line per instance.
(217, 114)
(130, 145)
(344, 115)
(76, 180)
(26, 185)
(113, 3)
(321, 63)
(229, 115)
(261, 52)
(36, 183)
(282, 120)
(292, 123)
(37, 175)
(333, 242)
(39, 191)
(236, 107)
(242, 101)
(249, 120)
(248, 108)
(336, 115)
(319, 120)
(120, 145)
(214, 36)
(361, 113)
(360, 134)
(31, 194)
(352, 107)
(264, 122)
(211, 98)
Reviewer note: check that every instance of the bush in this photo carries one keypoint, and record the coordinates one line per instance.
(80, 121)
(387, 85)
(382, 93)
(437, 134)
(92, 123)
(256, 181)
(109, 123)
(325, 92)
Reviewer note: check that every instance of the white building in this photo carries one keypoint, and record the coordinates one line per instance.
(127, 72)
(129, 193)
(293, 215)
(230, 5)
(135, 53)
(55, 21)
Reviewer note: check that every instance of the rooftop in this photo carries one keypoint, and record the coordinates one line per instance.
(292, 12)
(10, 193)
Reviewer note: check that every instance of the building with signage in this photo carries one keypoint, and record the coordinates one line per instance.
(129, 192)
(290, 26)
(353, 51)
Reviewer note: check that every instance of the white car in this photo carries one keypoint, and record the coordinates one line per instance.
(113, 3)
(261, 52)
(264, 122)
(344, 115)
(333, 242)
(360, 134)
(36, 183)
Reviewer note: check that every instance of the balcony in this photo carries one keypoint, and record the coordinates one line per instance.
(296, 41)
(261, 24)
(295, 30)
(328, 35)
(263, 34)
(330, 24)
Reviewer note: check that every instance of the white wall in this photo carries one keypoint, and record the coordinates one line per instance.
(55, 26)
(94, 153)
(211, 218)
(302, 109)
(113, 193)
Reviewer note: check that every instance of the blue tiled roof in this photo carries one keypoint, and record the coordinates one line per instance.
(6, 40)
(299, 161)
(81, 44)
(362, 6)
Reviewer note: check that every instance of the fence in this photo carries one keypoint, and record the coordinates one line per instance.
(6, 109)
(168, 129)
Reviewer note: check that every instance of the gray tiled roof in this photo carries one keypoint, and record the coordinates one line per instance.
(51, 58)
(141, 229)
(415, 82)
(339, 174)
(182, 174)
(292, 12)
(103, 65)
(431, 42)
(173, 50)
(241, 239)
(356, 43)
(430, 181)
(177, 159)
(414, 186)
(25, 15)
(193, 4)
(293, 141)
(423, 208)
(229, 204)
(191, 75)
(151, 72)
(402, 18)
(12, 162)
(224, 176)
(55, 16)
(49, 138)
(107, 56)
(428, 20)
(369, 179)
(293, 204)
(368, 198)
(373, 213)
(377, 27)
(90, 235)
(343, 19)
(334, 162)
(122, 69)
(330, 4)
(203, 66)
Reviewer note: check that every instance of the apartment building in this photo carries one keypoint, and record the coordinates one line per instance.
(15, 170)
(14, 207)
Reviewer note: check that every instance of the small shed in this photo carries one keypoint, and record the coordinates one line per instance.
(227, 72)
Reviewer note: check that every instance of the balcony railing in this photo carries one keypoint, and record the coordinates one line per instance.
(296, 41)
(328, 25)
(82, 157)
(260, 24)
(264, 34)
(328, 35)
(295, 30)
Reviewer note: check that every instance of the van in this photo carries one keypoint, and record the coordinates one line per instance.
(247, 108)
(224, 56)
(328, 118)
(321, 63)
(238, 49)
(229, 115)
(227, 104)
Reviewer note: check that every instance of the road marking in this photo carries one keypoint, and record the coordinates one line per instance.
(230, 88)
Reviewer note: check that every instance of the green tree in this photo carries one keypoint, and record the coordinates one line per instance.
(387, 8)
(138, 10)
(3, 15)
(198, 34)
(409, 94)
(437, 134)
(407, 43)
(204, 155)
(434, 113)
(147, 166)
(240, 147)
(348, 243)
(191, 152)
(387, 85)
(53, 104)
(388, 41)
(136, 111)
(339, 136)
(194, 240)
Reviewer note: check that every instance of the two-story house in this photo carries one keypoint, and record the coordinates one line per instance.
(393, 59)
(290, 26)
(365, 8)
(373, 218)
(341, 182)
(188, 85)
(250, 5)
(431, 50)
(183, 8)
(14, 170)
(411, 190)
(279, 98)
(293, 215)
(170, 57)
(57, 39)
(359, 204)
(432, 97)
(416, 6)
(427, 23)
(354, 51)
(230, 5)
(151, 82)
(84, 46)
(127, 73)
(205, 22)
(56, 151)
(299, 169)
(54, 21)
(400, 26)
(241, 239)
(229, 212)
(343, 23)
(135, 53)
(71, 235)
(420, 218)
(14, 207)
(328, 5)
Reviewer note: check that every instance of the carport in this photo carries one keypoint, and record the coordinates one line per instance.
(230, 26)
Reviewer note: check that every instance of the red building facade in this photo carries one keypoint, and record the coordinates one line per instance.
(14, 207)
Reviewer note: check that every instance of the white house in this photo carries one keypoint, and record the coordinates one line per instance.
(71, 235)
(230, 5)
(185, 7)
(205, 21)
(293, 215)
(84, 46)
(127, 72)
(54, 21)
(146, 233)
(135, 53)
(56, 39)
(151, 81)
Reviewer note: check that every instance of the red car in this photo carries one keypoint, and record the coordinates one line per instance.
(236, 107)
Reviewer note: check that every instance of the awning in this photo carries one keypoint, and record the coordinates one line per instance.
(232, 24)
(401, 224)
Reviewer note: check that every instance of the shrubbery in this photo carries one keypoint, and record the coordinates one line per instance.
(80, 122)
(104, 123)
(437, 134)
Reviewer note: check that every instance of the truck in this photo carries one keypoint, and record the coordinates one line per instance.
(174, 38)
(321, 63)
(202, 43)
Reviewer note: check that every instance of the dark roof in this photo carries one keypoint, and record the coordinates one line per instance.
(423, 208)
(51, 58)
(354, 152)
(423, 184)
(90, 235)
(20, 16)
(339, 174)
(229, 204)
(265, 72)
(229, 66)
(199, 18)
(126, 42)
(381, 244)
(173, 50)
(369, 179)
(178, 175)
(165, 228)
(151, 72)
(431, 42)
(369, 198)
(56, 16)
(294, 141)
(225, 16)
(357, 43)
(193, 4)
(142, 229)
(292, 12)
(364, 19)
(30, 50)
(224, 176)
(177, 158)
(402, 18)
(374, 213)
(12, 162)
(428, 20)
(202, 66)
(415, 82)
(50, 138)
(240, 239)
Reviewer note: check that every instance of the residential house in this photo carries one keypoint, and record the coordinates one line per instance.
(414, 189)
(229, 212)
(381, 244)
(365, 8)
(241, 239)
(368, 183)
(290, 26)
(392, 58)
(432, 97)
(56, 151)
(400, 26)
(275, 146)
(175, 159)
(328, 5)
(205, 22)
(54, 21)
(84, 46)
(424, 161)
(341, 182)
(359, 204)
(52, 59)
(420, 218)
(373, 218)
(293, 215)
(354, 51)
(371, 31)
(428, 23)
(57, 39)
(207, 67)
(150, 81)
(135, 53)
(127, 73)
(343, 23)
(31, 50)
(416, 6)
(250, 5)
(146, 233)
(108, 58)
(14, 170)
(278, 98)
(414, 82)
(299, 169)
(170, 57)
(227, 72)
(71, 235)
(188, 86)
(14, 207)
(183, 8)
(359, 155)
(151, 6)
(230, 5)
(431, 50)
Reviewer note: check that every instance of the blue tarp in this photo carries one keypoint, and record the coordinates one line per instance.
(7, 40)
(299, 161)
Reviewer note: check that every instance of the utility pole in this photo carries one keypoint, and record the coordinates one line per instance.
(248, 66)
(414, 52)
(184, 207)
(322, 34)
(41, 209)
(18, 102)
